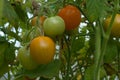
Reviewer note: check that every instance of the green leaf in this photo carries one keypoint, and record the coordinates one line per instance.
(95, 9)
(18, 9)
(77, 43)
(4, 69)
(9, 13)
(110, 70)
(2, 39)
(1, 9)
(3, 47)
(3, 64)
(49, 70)
(111, 52)
(11, 33)
(9, 54)
(89, 73)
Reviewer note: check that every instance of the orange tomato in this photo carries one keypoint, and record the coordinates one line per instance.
(115, 26)
(42, 49)
(34, 20)
(71, 15)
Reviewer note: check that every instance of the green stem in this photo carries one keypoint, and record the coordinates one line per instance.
(68, 59)
(100, 55)
(98, 52)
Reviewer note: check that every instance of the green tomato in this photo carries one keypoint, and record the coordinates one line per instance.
(25, 59)
(54, 26)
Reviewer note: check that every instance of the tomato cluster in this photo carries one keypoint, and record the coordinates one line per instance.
(41, 50)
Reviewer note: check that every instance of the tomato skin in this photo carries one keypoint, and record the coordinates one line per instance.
(25, 59)
(54, 26)
(71, 15)
(42, 49)
(115, 32)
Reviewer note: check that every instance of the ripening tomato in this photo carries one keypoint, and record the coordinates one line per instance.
(34, 20)
(71, 15)
(25, 59)
(42, 49)
(115, 26)
(54, 26)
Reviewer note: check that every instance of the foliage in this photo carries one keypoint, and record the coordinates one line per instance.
(84, 53)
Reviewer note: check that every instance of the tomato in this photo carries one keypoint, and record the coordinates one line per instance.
(71, 15)
(42, 49)
(115, 32)
(25, 59)
(34, 20)
(54, 26)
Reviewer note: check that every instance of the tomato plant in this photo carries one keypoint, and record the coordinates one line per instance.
(54, 26)
(25, 59)
(115, 26)
(71, 40)
(42, 49)
(71, 15)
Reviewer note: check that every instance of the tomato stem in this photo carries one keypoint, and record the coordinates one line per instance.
(101, 49)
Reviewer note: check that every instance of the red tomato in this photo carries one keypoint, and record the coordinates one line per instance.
(71, 15)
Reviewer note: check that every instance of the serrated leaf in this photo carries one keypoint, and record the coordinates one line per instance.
(111, 52)
(49, 70)
(95, 9)
(77, 43)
